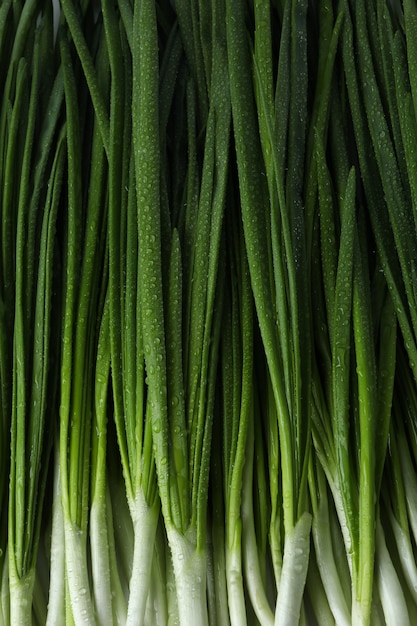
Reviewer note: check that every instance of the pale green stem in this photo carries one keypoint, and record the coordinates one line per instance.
(21, 593)
(318, 597)
(327, 566)
(276, 550)
(406, 556)
(173, 615)
(100, 562)
(56, 601)
(390, 591)
(216, 576)
(253, 577)
(236, 597)
(77, 575)
(294, 573)
(145, 522)
(341, 515)
(190, 579)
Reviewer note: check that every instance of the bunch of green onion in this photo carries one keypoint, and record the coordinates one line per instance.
(208, 312)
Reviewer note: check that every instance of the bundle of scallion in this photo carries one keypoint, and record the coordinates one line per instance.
(208, 320)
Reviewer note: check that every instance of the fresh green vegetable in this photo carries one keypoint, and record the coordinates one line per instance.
(208, 321)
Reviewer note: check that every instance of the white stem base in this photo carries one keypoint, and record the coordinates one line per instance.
(390, 591)
(56, 600)
(21, 594)
(145, 522)
(327, 568)
(235, 593)
(190, 579)
(294, 573)
(77, 575)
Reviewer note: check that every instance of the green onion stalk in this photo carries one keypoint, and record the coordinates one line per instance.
(330, 554)
(400, 487)
(386, 77)
(83, 263)
(359, 365)
(150, 330)
(237, 381)
(369, 121)
(15, 27)
(275, 228)
(261, 504)
(131, 411)
(401, 573)
(351, 410)
(180, 381)
(34, 334)
(8, 226)
(131, 402)
(108, 592)
(208, 322)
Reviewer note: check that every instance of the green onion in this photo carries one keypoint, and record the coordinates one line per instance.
(208, 312)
